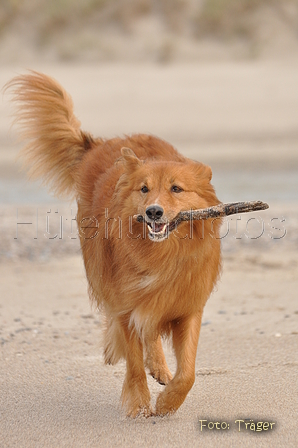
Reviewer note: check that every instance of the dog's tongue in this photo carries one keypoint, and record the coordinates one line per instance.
(158, 227)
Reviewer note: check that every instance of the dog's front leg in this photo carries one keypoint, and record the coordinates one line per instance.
(156, 362)
(186, 333)
(135, 393)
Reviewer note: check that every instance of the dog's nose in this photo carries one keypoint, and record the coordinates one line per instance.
(154, 212)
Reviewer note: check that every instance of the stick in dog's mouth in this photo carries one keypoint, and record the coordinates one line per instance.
(158, 231)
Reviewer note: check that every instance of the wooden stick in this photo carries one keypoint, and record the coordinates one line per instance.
(217, 211)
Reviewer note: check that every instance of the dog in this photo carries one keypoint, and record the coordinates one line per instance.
(152, 278)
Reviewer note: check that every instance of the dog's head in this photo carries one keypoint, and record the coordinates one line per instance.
(158, 190)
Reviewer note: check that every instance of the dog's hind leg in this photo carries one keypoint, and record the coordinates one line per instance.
(135, 393)
(156, 362)
(114, 342)
(185, 341)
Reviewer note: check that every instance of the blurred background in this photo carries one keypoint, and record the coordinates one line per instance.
(216, 78)
(146, 30)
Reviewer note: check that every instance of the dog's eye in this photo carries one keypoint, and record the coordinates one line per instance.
(144, 189)
(176, 189)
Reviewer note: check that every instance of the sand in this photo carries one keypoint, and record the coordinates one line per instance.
(55, 390)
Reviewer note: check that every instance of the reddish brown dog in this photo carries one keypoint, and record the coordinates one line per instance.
(152, 279)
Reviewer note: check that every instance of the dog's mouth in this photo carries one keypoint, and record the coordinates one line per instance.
(159, 231)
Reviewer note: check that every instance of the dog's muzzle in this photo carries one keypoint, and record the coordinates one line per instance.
(158, 226)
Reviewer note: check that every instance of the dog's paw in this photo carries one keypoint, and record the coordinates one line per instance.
(140, 411)
(134, 409)
(167, 403)
(159, 370)
(161, 374)
(136, 398)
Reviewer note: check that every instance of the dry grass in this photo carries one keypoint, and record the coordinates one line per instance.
(238, 17)
(203, 16)
(82, 22)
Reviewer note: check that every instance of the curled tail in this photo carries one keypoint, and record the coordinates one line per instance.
(56, 143)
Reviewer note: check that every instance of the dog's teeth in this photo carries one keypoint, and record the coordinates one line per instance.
(164, 229)
(155, 235)
(160, 232)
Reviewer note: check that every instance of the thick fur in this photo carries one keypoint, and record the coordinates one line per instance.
(146, 287)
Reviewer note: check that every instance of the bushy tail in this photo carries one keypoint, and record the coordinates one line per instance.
(56, 143)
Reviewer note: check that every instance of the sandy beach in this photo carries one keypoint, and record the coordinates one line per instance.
(242, 119)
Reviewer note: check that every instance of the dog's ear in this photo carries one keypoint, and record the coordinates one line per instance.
(208, 172)
(203, 171)
(129, 158)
